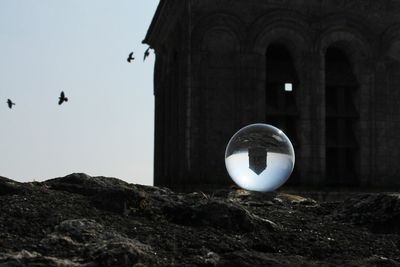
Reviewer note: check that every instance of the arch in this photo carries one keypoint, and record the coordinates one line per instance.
(350, 39)
(218, 21)
(351, 21)
(220, 41)
(283, 26)
(346, 33)
(353, 44)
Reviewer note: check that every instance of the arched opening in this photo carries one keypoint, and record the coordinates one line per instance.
(281, 90)
(341, 117)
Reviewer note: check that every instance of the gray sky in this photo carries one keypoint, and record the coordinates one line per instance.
(79, 46)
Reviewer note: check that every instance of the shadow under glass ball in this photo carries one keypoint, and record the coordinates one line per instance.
(259, 157)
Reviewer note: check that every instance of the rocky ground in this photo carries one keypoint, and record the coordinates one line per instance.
(80, 220)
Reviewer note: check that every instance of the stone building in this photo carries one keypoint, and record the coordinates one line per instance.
(223, 64)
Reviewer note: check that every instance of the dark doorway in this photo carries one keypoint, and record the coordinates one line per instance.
(281, 90)
(341, 116)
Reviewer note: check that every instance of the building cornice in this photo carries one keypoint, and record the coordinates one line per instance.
(164, 20)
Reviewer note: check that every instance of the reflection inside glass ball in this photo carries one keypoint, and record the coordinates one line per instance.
(259, 157)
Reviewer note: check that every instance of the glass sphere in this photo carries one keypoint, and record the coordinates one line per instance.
(259, 157)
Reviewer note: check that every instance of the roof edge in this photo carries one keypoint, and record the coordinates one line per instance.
(164, 19)
(153, 23)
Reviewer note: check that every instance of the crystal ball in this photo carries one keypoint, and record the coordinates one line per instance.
(259, 157)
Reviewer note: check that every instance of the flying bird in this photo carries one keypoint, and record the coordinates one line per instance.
(130, 58)
(146, 53)
(62, 98)
(10, 103)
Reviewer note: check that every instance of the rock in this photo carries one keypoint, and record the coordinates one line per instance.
(9, 187)
(82, 183)
(80, 230)
(85, 221)
(376, 261)
(110, 194)
(379, 212)
(250, 259)
(214, 214)
(122, 253)
(212, 259)
(28, 259)
(101, 247)
(294, 199)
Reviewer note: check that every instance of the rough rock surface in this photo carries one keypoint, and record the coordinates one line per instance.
(83, 221)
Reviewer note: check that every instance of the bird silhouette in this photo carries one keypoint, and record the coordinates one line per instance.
(10, 103)
(62, 98)
(130, 58)
(146, 53)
